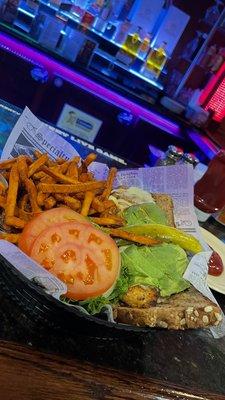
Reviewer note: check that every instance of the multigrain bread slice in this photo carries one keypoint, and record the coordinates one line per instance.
(188, 309)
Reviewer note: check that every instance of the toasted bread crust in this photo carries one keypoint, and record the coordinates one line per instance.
(165, 202)
(189, 309)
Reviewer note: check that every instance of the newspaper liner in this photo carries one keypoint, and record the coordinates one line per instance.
(30, 133)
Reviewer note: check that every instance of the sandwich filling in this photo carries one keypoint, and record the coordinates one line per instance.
(148, 273)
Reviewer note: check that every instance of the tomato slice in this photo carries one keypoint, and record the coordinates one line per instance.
(85, 258)
(42, 221)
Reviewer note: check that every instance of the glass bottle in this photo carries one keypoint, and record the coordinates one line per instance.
(122, 30)
(89, 15)
(132, 42)
(209, 191)
(145, 45)
(172, 155)
(189, 158)
(104, 15)
(213, 13)
(157, 59)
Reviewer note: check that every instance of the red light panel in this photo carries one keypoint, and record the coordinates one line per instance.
(217, 102)
(213, 96)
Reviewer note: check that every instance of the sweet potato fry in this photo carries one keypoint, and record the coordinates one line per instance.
(109, 221)
(12, 192)
(29, 160)
(92, 211)
(58, 176)
(71, 202)
(10, 237)
(37, 154)
(97, 205)
(87, 203)
(6, 174)
(23, 203)
(73, 171)
(110, 209)
(63, 167)
(49, 203)
(2, 188)
(39, 175)
(109, 183)
(22, 168)
(76, 188)
(41, 197)
(15, 222)
(7, 164)
(37, 164)
(2, 201)
(80, 196)
(146, 240)
(108, 204)
(60, 161)
(86, 177)
(32, 191)
(109, 212)
(90, 159)
(25, 215)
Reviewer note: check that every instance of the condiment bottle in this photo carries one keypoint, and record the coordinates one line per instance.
(209, 191)
(189, 158)
(172, 155)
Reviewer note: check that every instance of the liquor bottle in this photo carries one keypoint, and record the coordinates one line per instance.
(104, 15)
(89, 15)
(217, 61)
(145, 45)
(122, 30)
(171, 157)
(132, 43)
(156, 60)
(110, 30)
(213, 13)
(210, 53)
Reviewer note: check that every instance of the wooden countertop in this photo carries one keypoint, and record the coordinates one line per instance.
(31, 375)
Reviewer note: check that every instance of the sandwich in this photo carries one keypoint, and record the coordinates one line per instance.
(147, 306)
(155, 294)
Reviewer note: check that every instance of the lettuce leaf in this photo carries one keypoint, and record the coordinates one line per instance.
(95, 305)
(146, 213)
(160, 266)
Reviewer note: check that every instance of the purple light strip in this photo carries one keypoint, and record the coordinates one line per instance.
(204, 143)
(54, 67)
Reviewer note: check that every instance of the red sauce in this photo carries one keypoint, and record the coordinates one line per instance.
(209, 191)
(215, 264)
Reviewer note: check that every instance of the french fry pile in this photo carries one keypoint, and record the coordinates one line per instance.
(41, 184)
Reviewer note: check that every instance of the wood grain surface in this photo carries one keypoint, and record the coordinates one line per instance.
(29, 374)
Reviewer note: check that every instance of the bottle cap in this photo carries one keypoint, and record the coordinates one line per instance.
(175, 151)
(190, 159)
